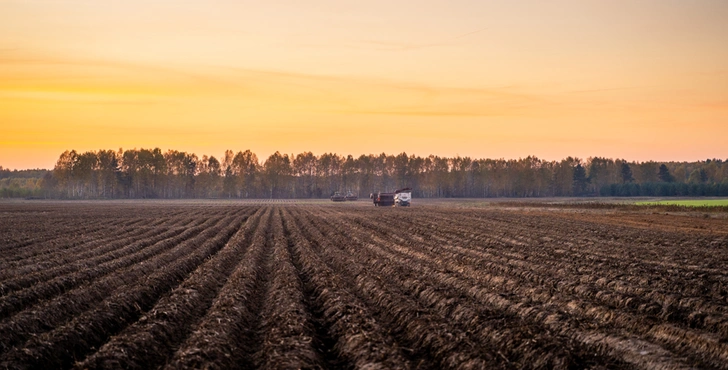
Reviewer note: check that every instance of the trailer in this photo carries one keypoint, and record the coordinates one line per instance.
(400, 197)
(382, 199)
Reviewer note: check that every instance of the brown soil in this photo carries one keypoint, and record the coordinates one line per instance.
(328, 286)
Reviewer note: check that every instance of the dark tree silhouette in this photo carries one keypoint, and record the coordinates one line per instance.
(580, 180)
(664, 174)
(626, 173)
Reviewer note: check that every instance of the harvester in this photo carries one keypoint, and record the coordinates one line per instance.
(400, 197)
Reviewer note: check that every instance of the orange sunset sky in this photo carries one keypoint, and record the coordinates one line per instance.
(638, 80)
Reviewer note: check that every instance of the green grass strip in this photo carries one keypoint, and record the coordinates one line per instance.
(687, 203)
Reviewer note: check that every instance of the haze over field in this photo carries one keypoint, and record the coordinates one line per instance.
(643, 80)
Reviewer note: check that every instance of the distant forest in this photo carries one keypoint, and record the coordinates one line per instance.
(152, 173)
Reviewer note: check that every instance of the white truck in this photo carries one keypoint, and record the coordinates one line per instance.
(402, 198)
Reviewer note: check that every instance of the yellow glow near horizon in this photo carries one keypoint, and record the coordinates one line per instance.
(619, 79)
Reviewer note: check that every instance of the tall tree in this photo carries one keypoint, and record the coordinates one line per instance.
(63, 172)
(580, 180)
(664, 174)
(304, 168)
(329, 167)
(350, 175)
(366, 174)
(246, 167)
(85, 173)
(228, 185)
(563, 176)
(400, 163)
(599, 173)
(109, 172)
(209, 181)
(277, 169)
(648, 171)
(626, 172)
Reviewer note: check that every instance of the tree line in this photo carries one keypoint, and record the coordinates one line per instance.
(152, 173)
(21, 183)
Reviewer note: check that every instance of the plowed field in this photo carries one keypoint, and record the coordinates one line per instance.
(350, 286)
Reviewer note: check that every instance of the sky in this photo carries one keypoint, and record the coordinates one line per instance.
(639, 80)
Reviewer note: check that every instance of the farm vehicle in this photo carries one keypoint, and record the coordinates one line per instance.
(400, 197)
(338, 197)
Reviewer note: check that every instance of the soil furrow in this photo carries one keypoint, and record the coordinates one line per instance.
(153, 338)
(61, 347)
